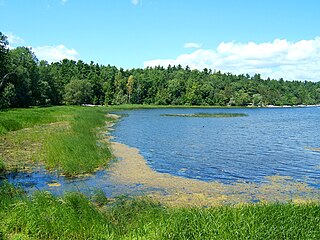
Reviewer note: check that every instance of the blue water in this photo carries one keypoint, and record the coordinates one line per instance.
(267, 142)
(40, 179)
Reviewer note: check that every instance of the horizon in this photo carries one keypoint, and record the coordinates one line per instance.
(274, 39)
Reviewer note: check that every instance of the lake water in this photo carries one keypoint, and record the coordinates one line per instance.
(268, 142)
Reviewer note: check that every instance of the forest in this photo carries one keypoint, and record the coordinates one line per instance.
(26, 81)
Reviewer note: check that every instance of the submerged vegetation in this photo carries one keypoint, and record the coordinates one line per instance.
(207, 115)
(74, 216)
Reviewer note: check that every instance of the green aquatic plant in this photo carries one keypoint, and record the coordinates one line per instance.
(99, 197)
(208, 115)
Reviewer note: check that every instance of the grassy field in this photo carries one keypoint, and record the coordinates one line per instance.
(74, 216)
(66, 138)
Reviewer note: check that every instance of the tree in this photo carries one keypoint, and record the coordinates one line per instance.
(3, 55)
(130, 84)
(78, 92)
(120, 81)
(22, 64)
(257, 100)
(8, 96)
(3, 70)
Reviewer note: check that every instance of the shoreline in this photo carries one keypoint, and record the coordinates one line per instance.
(132, 168)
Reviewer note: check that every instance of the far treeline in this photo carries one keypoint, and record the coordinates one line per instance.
(25, 81)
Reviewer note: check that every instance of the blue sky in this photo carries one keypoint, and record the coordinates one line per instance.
(277, 38)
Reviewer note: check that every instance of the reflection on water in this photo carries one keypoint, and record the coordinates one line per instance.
(265, 143)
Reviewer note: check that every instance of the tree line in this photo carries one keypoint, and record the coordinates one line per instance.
(26, 81)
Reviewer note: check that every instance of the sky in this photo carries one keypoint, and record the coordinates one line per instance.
(275, 38)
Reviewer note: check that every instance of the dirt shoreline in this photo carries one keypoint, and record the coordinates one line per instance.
(132, 168)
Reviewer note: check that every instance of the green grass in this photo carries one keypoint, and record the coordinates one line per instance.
(77, 151)
(15, 119)
(74, 216)
(65, 138)
(208, 115)
(2, 165)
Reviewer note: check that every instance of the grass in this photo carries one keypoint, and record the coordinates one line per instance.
(63, 138)
(16, 119)
(2, 165)
(76, 151)
(75, 216)
(208, 115)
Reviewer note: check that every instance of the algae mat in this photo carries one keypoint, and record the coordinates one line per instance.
(178, 191)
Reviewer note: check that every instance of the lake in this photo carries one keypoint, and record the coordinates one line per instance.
(268, 142)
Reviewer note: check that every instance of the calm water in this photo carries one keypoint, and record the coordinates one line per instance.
(268, 142)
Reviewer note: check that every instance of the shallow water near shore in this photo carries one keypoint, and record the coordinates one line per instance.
(267, 142)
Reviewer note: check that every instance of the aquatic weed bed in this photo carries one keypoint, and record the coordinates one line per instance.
(207, 115)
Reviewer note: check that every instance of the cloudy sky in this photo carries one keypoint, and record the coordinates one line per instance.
(274, 38)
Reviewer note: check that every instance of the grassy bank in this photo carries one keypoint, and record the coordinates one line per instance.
(74, 216)
(63, 138)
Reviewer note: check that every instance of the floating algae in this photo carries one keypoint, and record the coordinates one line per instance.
(178, 191)
(313, 149)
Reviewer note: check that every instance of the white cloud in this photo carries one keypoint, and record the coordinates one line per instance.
(192, 45)
(48, 53)
(55, 53)
(63, 1)
(135, 2)
(14, 40)
(281, 58)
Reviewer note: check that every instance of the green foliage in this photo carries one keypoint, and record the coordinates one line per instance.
(24, 76)
(3, 56)
(26, 82)
(78, 92)
(73, 216)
